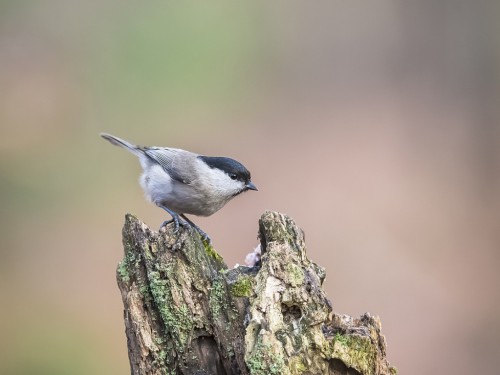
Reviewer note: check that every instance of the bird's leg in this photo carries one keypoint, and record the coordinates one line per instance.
(175, 218)
(178, 222)
(203, 234)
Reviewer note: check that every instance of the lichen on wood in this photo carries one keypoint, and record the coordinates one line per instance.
(186, 313)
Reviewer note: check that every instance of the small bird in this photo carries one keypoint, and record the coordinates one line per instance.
(182, 182)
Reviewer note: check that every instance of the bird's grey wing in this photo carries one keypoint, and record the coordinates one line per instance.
(170, 160)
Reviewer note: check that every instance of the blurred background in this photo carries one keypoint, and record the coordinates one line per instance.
(375, 125)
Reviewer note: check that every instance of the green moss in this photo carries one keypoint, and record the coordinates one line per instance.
(212, 253)
(343, 339)
(265, 361)
(133, 257)
(148, 250)
(355, 351)
(123, 270)
(295, 274)
(296, 365)
(160, 357)
(159, 340)
(176, 317)
(125, 265)
(218, 300)
(143, 289)
(230, 350)
(243, 287)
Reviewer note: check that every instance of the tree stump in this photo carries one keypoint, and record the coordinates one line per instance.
(186, 313)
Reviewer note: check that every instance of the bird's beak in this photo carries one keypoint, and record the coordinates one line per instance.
(251, 186)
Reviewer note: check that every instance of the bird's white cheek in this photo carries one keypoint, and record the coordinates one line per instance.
(224, 185)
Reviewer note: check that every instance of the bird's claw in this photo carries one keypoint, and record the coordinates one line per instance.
(165, 223)
(203, 234)
(177, 223)
(185, 223)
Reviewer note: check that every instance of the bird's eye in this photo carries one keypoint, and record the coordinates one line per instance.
(233, 176)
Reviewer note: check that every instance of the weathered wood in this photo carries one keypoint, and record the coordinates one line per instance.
(186, 313)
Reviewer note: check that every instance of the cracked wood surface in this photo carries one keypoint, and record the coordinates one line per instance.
(185, 312)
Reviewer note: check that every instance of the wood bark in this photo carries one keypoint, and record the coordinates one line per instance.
(185, 312)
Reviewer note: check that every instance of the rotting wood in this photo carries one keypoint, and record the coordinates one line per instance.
(186, 313)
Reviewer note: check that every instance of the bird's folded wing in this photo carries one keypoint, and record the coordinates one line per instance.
(170, 160)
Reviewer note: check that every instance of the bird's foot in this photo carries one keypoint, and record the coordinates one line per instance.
(165, 223)
(180, 223)
(177, 223)
(203, 234)
(185, 223)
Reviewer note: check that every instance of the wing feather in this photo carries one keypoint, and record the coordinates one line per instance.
(169, 160)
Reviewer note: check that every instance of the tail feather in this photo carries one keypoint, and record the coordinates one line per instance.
(122, 143)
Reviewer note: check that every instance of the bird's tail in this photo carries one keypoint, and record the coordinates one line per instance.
(122, 143)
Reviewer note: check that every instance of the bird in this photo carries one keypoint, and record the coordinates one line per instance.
(182, 182)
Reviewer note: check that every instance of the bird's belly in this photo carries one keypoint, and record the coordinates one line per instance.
(161, 189)
(190, 201)
(156, 184)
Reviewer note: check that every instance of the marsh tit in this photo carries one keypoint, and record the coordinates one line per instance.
(182, 182)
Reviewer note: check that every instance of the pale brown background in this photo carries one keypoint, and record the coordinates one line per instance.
(374, 124)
